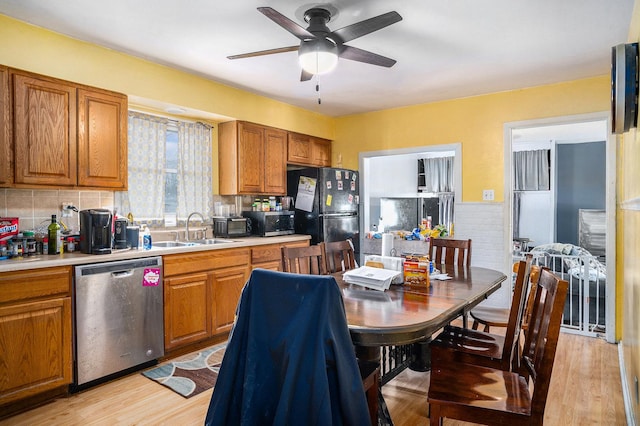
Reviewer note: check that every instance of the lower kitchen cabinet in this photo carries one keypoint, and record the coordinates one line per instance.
(270, 256)
(35, 333)
(227, 286)
(186, 312)
(201, 292)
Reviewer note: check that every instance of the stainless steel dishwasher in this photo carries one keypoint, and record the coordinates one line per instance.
(118, 318)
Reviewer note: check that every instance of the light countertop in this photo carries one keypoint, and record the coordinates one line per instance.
(78, 258)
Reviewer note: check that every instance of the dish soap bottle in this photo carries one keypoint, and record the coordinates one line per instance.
(146, 239)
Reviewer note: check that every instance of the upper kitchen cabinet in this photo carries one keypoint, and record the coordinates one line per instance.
(308, 150)
(6, 149)
(44, 130)
(66, 134)
(252, 159)
(102, 139)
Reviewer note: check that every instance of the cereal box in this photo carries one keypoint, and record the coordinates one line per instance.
(8, 227)
(416, 274)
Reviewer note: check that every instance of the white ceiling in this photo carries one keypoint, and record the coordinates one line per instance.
(445, 48)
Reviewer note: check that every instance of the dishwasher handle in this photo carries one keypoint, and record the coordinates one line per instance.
(122, 274)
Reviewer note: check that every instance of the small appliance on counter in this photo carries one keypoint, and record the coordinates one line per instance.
(229, 227)
(120, 233)
(269, 224)
(95, 231)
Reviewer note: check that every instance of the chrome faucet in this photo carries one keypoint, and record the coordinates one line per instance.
(189, 220)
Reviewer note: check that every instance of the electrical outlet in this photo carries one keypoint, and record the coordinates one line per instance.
(487, 194)
(67, 209)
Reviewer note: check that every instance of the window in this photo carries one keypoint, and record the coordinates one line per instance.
(171, 177)
(169, 170)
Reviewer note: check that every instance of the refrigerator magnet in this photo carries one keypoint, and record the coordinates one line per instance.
(350, 198)
(328, 184)
(338, 175)
(151, 277)
(329, 199)
(340, 185)
(346, 174)
(354, 177)
(357, 199)
(353, 185)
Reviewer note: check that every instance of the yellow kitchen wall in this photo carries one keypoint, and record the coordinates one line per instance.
(476, 122)
(32, 48)
(628, 247)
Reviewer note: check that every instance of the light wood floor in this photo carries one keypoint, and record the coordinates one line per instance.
(585, 389)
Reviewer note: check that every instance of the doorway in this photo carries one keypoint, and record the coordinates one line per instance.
(569, 140)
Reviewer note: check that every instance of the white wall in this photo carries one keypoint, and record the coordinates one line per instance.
(536, 217)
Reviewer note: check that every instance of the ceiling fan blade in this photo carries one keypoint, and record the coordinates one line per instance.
(355, 54)
(305, 76)
(365, 27)
(264, 52)
(286, 23)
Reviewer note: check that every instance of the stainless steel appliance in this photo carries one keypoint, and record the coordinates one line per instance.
(269, 224)
(95, 231)
(229, 227)
(326, 204)
(406, 214)
(118, 319)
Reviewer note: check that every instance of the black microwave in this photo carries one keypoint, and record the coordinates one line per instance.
(269, 224)
(228, 227)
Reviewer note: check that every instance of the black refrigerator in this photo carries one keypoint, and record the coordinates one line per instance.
(326, 204)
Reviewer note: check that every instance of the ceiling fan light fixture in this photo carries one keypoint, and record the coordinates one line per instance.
(318, 56)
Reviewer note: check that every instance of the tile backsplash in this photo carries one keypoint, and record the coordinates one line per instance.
(34, 207)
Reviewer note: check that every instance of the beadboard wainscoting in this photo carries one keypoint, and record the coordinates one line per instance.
(484, 224)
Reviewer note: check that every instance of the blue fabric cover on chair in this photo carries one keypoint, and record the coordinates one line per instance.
(290, 359)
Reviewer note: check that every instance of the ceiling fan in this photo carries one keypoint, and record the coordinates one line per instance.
(320, 47)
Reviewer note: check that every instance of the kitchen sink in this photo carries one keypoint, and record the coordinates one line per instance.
(173, 244)
(213, 241)
(192, 243)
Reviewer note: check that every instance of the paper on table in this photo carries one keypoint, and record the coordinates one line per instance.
(376, 278)
(441, 277)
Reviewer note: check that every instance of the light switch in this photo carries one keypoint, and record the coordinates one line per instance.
(487, 195)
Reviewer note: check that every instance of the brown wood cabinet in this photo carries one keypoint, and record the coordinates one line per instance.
(270, 256)
(6, 147)
(102, 139)
(35, 333)
(251, 159)
(201, 291)
(308, 150)
(67, 134)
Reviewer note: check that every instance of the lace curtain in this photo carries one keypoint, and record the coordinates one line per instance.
(146, 156)
(438, 174)
(194, 170)
(531, 170)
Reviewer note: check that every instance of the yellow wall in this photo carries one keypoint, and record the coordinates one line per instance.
(477, 122)
(34, 49)
(628, 250)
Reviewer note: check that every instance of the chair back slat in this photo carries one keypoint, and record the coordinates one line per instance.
(514, 325)
(305, 260)
(450, 251)
(340, 256)
(542, 336)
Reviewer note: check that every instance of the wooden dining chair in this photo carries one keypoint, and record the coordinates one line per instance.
(480, 348)
(491, 316)
(486, 395)
(339, 256)
(450, 251)
(305, 260)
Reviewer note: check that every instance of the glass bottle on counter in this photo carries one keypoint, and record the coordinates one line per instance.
(54, 236)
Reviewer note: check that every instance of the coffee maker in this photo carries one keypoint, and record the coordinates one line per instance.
(95, 231)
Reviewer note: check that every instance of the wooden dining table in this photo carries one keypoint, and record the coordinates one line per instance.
(406, 314)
